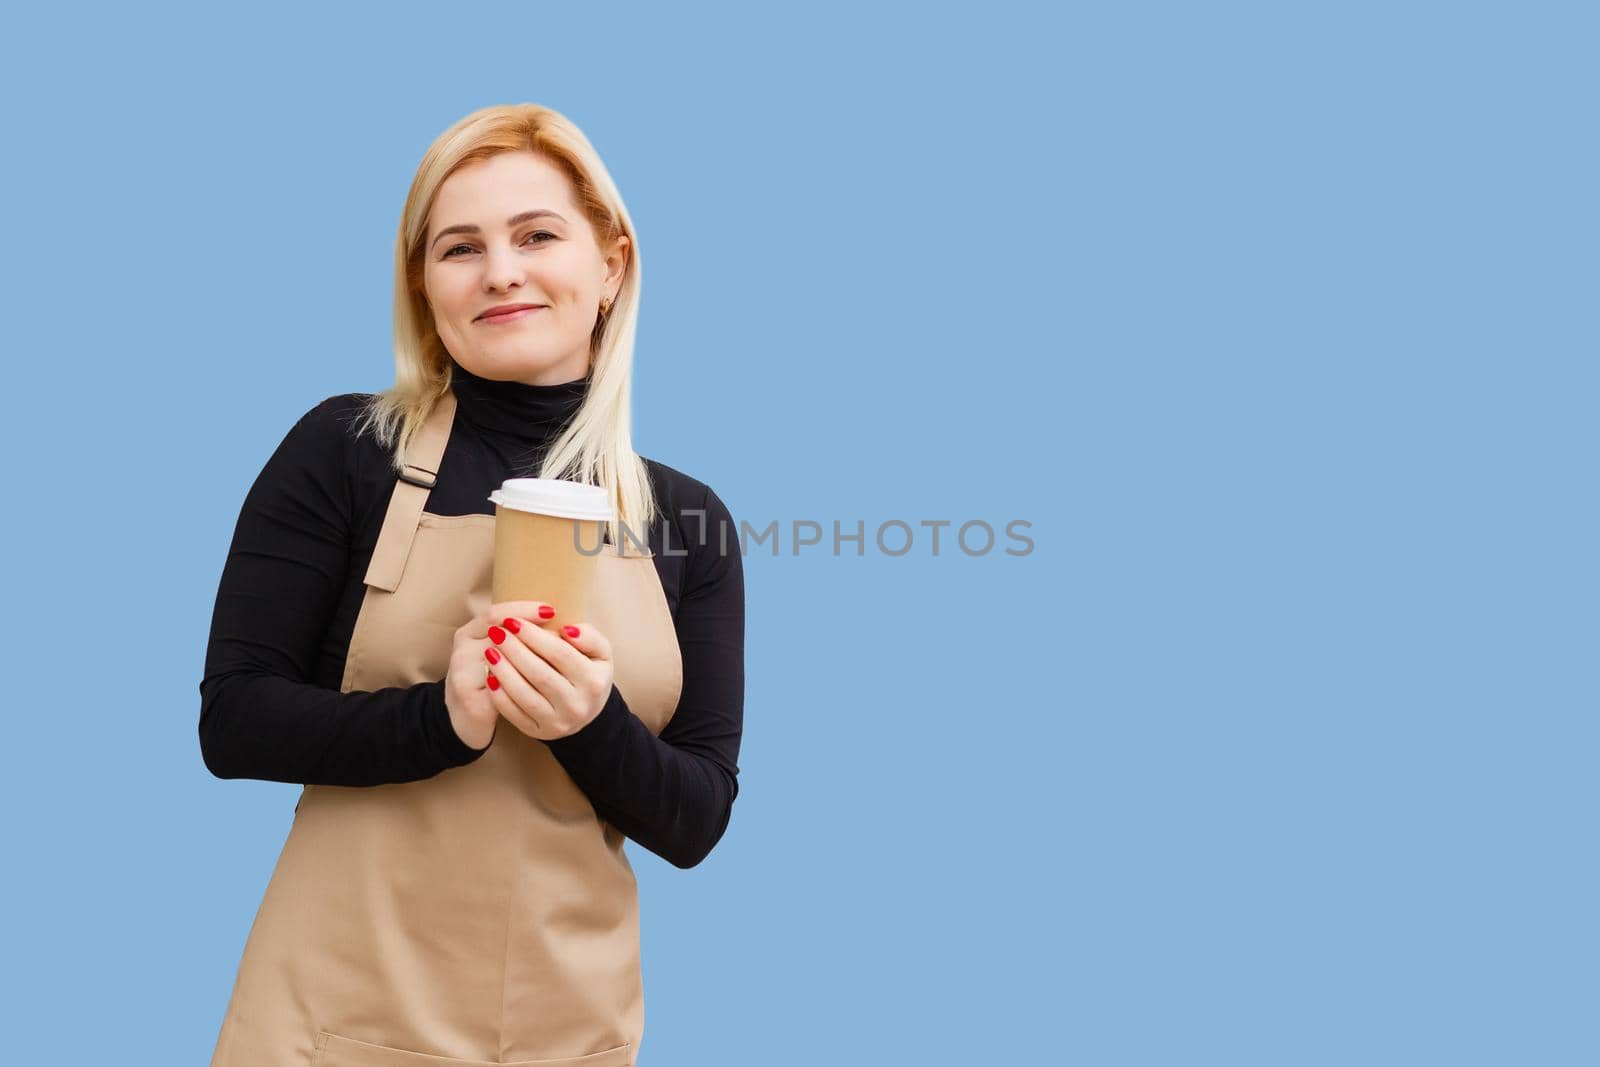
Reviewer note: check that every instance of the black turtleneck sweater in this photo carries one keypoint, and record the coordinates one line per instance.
(292, 585)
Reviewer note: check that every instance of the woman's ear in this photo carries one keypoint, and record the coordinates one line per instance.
(617, 263)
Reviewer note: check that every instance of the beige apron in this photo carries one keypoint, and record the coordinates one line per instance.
(482, 916)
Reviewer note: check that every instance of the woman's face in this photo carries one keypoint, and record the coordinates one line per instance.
(507, 231)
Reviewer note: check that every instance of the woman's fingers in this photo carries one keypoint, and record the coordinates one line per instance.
(587, 639)
(529, 723)
(550, 645)
(554, 644)
(477, 627)
(525, 647)
(565, 648)
(540, 679)
(509, 665)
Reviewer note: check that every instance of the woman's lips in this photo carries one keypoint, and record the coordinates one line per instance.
(510, 316)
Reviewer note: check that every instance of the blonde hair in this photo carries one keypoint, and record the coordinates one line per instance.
(596, 447)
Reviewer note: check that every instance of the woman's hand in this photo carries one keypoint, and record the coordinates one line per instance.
(472, 709)
(546, 683)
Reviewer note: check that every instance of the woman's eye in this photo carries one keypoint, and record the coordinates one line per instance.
(451, 251)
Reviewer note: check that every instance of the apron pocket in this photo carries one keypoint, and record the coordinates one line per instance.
(336, 1051)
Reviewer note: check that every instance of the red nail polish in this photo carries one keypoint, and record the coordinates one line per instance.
(546, 611)
(491, 655)
(496, 634)
(494, 683)
(570, 631)
(513, 625)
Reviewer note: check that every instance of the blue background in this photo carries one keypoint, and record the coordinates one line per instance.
(1277, 322)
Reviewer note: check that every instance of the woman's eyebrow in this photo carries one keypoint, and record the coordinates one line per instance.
(512, 221)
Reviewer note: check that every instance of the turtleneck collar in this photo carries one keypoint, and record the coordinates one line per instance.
(534, 414)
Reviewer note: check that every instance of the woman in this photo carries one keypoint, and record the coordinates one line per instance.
(454, 884)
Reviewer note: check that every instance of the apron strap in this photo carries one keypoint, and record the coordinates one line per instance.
(411, 496)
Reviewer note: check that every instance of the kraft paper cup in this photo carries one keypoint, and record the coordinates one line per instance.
(547, 537)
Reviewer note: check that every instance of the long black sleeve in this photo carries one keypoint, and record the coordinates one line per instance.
(674, 794)
(261, 714)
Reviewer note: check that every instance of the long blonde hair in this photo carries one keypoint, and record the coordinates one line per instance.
(596, 447)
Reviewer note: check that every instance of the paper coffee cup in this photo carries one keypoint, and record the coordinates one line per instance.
(547, 537)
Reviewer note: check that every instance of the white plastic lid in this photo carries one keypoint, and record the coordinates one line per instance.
(554, 496)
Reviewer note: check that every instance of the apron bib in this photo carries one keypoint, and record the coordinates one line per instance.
(484, 916)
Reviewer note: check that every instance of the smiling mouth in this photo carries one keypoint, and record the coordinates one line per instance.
(509, 316)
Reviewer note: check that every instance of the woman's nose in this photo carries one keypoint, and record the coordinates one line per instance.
(501, 270)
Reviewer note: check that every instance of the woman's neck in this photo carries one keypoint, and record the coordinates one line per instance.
(531, 413)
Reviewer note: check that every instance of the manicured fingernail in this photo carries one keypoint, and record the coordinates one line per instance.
(496, 634)
(494, 683)
(546, 611)
(491, 655)
(513, 625)
(570, 631)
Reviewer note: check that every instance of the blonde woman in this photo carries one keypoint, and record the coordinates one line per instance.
(454, 888)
